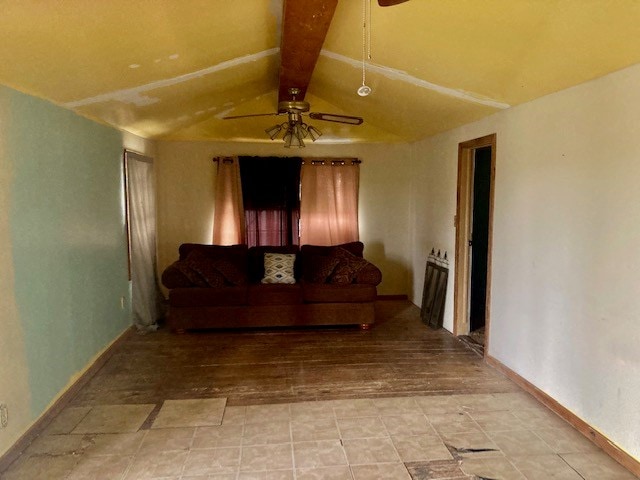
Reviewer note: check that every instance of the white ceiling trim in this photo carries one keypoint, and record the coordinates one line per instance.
(135, 95)
(405, 77)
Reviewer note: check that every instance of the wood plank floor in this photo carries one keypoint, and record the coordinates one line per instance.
(399, 356)
(240, 411)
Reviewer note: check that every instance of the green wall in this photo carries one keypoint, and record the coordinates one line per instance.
(68, 239)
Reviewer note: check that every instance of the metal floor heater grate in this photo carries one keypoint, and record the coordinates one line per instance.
(435, 289)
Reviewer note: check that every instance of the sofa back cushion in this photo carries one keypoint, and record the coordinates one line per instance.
(229, 252)
(355, 248)
(256, 260)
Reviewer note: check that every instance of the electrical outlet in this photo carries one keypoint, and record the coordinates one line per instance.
(4, 415)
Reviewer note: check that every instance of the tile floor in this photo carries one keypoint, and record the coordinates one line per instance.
(454, 437)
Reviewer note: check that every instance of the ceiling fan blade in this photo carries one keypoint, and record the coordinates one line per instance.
(330, 117)
(390, 3)
(232, 117)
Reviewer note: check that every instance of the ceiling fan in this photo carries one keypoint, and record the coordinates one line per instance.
(295, 130)
(300, 49)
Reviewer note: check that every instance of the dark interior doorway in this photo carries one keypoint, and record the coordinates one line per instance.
(479, 243)
(474, 223)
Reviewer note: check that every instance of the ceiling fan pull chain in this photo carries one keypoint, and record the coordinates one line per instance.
(369, 32)
(364, 90)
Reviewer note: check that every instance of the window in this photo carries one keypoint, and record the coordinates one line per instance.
(286, 201)
(271, 199)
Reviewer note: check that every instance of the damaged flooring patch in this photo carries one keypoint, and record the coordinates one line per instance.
(190, 413)
(438, 469)
(500, 436)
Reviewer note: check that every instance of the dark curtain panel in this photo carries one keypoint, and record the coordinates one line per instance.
(270, 194)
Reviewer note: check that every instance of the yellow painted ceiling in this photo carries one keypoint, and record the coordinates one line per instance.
(167, 69)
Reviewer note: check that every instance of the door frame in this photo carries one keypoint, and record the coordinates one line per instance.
(463, 222)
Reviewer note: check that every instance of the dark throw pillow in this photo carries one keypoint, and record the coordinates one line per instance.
(173, 277)
(217, 272)
(196, 279)
(319, 268)
(348, 267)
(206, 269)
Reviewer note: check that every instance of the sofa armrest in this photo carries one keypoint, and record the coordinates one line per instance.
(369, 275)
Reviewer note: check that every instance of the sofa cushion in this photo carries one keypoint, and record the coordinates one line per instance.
(327, 293)
(318, 268)
(348, 267)
(256, 260)
(208, 297)
(275, 294)
(231, 272)
(278, 268)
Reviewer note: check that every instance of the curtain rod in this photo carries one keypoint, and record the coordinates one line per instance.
(224, 159)
(334, 163)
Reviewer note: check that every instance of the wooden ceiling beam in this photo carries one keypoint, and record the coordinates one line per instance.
(390, 3)
(304, 27)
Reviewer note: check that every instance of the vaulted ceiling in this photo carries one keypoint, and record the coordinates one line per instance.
(172, 70)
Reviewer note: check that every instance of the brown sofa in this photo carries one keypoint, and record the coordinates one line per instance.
(214, 286)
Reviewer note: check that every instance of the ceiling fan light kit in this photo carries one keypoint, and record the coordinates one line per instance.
(314, 133)
(274, 131)
(295, 130)
(293, 138)
(294, 133)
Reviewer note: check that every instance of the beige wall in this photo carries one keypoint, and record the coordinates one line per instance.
(564, 299)
(186, 176)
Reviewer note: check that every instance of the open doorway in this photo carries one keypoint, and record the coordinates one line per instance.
(472, 278)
